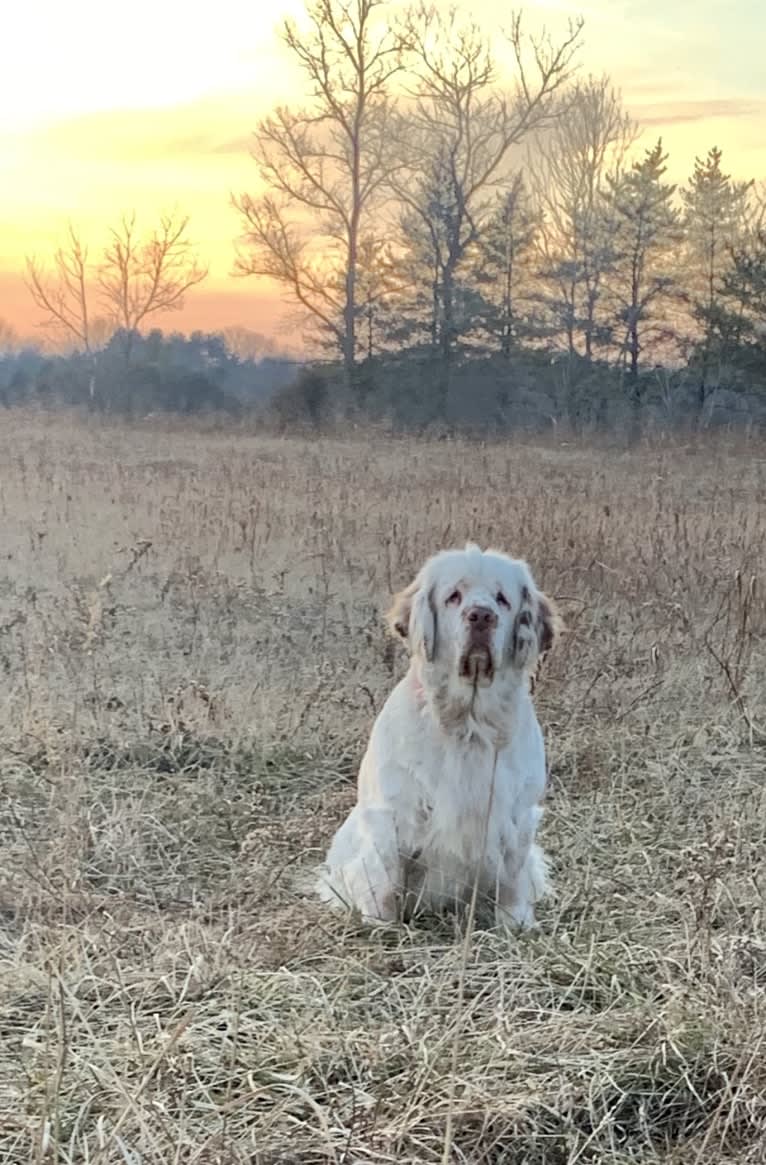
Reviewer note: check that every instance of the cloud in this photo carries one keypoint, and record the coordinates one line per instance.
(239, 145)
(667, 113)
(193, 130)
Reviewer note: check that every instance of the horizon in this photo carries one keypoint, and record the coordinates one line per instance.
(93, 141)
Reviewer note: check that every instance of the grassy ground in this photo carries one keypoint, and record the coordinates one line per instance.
(192, 651)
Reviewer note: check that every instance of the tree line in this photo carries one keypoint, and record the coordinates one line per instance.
(447, 209)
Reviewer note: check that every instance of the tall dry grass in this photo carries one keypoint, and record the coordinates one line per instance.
(192, 652)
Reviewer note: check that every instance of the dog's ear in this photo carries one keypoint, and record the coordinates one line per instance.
(398, 618)
(523, 643)
(535, 628)
(549, 623)
(413, 618)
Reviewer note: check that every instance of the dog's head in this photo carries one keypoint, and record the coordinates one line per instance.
(475, 615)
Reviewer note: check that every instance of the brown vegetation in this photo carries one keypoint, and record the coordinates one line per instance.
(193, 650)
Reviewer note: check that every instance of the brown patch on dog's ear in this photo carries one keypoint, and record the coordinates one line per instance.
(398, 617)
(413, 617)
(522, 644)
(549, 623)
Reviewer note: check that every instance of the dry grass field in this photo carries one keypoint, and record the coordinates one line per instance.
(192, 651)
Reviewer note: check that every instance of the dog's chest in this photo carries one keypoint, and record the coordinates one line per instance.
(468, 808)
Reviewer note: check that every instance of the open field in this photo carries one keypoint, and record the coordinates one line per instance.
(192, 651)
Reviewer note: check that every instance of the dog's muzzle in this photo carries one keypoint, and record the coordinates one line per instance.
(477, 665)
(477, 661)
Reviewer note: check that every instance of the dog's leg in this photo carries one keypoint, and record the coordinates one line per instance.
(364, 868)
(518, 893)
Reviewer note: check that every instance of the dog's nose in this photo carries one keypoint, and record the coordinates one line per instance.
(481, 617)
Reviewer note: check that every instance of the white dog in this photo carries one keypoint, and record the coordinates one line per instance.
(450, 788)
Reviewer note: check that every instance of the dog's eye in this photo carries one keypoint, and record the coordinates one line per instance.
(501, 599)
(454, 598)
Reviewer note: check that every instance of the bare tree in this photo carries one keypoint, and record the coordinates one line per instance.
(84, 301)
(248, 344)
(138, 277)
(324, 166)
(64, 295)
(460, 129)
(135, 278)
(569, 167)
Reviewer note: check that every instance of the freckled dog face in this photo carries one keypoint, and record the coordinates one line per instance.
(475, 613)
(478, 611)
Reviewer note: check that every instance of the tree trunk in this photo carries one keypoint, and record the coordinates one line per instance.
(349, 323)
(446, 339)
(633, 349)
(702, 389)
(507, 332)
(94, 401)
(590, 320)
(352, 261)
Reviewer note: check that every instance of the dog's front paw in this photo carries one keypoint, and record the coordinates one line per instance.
(512, 920)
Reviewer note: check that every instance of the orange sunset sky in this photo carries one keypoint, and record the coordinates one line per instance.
(107, 107)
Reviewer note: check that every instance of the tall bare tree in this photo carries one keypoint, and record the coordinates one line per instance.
(569, 168)
(456, 137)
(324, 165)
